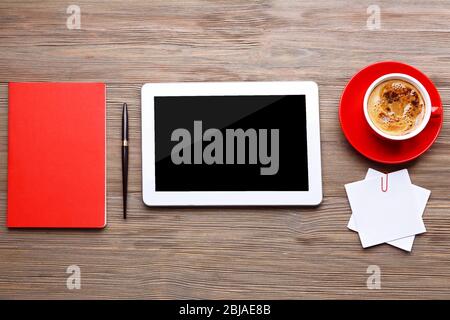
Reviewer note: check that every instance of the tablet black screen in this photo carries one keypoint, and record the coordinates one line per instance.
(231, 143)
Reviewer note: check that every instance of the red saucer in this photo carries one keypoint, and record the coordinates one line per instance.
(363, 138)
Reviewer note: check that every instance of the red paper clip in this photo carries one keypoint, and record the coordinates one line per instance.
(385, 188)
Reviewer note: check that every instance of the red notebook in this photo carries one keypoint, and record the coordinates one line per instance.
(56, 155)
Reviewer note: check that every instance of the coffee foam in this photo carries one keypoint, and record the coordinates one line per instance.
(396, 107)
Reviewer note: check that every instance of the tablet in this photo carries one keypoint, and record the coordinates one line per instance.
(231, 143)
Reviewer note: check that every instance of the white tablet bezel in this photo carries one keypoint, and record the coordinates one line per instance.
(152, 197)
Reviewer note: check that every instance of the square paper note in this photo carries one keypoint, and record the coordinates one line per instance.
(384, 209)
(421, 196)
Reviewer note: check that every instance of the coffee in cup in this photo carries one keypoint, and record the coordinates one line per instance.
(396, 107)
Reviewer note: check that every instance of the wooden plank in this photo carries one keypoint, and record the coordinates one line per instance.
(225, 252)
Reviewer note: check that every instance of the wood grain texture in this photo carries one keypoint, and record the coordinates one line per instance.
(225, 252)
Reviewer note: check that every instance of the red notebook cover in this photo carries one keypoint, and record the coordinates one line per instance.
(56, 155)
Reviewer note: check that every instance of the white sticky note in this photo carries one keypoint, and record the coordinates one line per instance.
(421, 196)
(384, 216)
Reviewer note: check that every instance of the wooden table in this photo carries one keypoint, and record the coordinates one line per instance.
(225, 252)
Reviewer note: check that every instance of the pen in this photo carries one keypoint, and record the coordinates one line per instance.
(124, 158)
